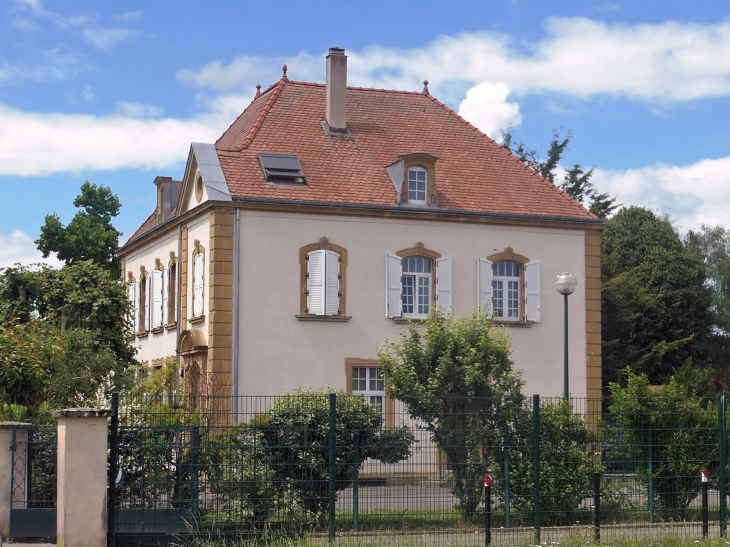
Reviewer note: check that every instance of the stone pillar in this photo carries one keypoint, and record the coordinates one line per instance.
(82, 477)
(6, 466)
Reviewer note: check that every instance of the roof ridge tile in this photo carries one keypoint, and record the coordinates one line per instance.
(277, 87)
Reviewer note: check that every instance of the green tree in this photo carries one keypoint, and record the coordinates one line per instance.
(655, 303)
(457, 378)
(295, 436)
(83, 295)
(90, 234)
(576, 180)
(683, 428)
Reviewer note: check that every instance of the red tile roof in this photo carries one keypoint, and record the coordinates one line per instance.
(473, 172)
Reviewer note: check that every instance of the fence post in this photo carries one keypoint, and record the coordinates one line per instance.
(113, 470)
(82, 477)
(194, 458)
(650, 460)
(597, 506)
(332, 468)
(705, 510)
(536, 462)
(506, 476)
(723, 486)
(487, 510)
(356, 486)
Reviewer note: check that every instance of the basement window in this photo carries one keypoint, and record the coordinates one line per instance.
(282, 168)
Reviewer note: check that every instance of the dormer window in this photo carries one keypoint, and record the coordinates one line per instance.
(282, 168)
(417, 185)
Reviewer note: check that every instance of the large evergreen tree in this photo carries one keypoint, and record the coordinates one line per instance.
(655, 302)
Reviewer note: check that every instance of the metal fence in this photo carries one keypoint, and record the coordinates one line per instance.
(337, 467)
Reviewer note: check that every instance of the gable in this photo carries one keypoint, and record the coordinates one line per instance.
(203, 180)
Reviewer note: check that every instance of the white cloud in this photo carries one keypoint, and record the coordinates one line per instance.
(58, 65)
(18, 247)
(34, 143)
(106, 38)
(486, 107)
(693, 194)
(669, 61)
(139, 110)
(35, 7)
(88, 94)
(128, 15)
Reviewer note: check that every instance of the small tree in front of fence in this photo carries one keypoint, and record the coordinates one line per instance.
(670, 432)
(457, 378)
(294, 434)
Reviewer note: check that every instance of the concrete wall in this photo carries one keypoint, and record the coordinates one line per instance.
(278, 353)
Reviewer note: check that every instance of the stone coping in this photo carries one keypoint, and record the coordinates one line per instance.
(11, 425)
(83, 413)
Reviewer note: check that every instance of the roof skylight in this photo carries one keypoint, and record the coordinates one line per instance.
(282, 168)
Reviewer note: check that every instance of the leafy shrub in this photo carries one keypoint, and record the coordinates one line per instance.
(295, 434)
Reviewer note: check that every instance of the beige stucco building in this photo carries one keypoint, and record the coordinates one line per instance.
(327, 216)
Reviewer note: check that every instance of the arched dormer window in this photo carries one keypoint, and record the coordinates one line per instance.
(417, 280)
(414, 176)
(418, 185)
(323, 267)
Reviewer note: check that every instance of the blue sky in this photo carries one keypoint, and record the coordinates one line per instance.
(114, 92)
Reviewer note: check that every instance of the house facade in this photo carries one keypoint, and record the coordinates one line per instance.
(326, 217)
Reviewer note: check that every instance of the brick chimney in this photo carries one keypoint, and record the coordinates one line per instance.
(335, 106)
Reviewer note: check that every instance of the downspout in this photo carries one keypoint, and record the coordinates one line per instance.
(236, 311)
(178, 312)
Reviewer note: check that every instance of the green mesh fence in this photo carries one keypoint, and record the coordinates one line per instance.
(337, 468)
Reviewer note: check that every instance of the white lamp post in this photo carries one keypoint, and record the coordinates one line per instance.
(565, 285)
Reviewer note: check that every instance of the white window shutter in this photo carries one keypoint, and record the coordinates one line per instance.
(198, 285)
(484, 286)
(165, 296)
(131, 294)
(532, 286)
(332, 283)
(136, 305)
(443, 284)
(393, 274)
(156, 299)
(148, 292)
(315, 282)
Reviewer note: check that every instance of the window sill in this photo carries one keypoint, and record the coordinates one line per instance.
(330, 318)
(198, 319)
(157, 330)
(142, 334)
(403, 320)
(519, 324)
(171, 326)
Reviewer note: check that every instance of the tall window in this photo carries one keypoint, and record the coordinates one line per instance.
(417, 185)
(143, 304)
(132, 295)
(198, 270)
(370, 383)
(323, 282)
(323, 268)
(157, 299)
(506, 290)
(172, 293)
(416, 284)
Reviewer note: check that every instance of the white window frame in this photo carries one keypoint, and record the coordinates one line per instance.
(418, 169)
(199, 295)
(501, 285)
(419, 279)
(373, 376)
(330, 285)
